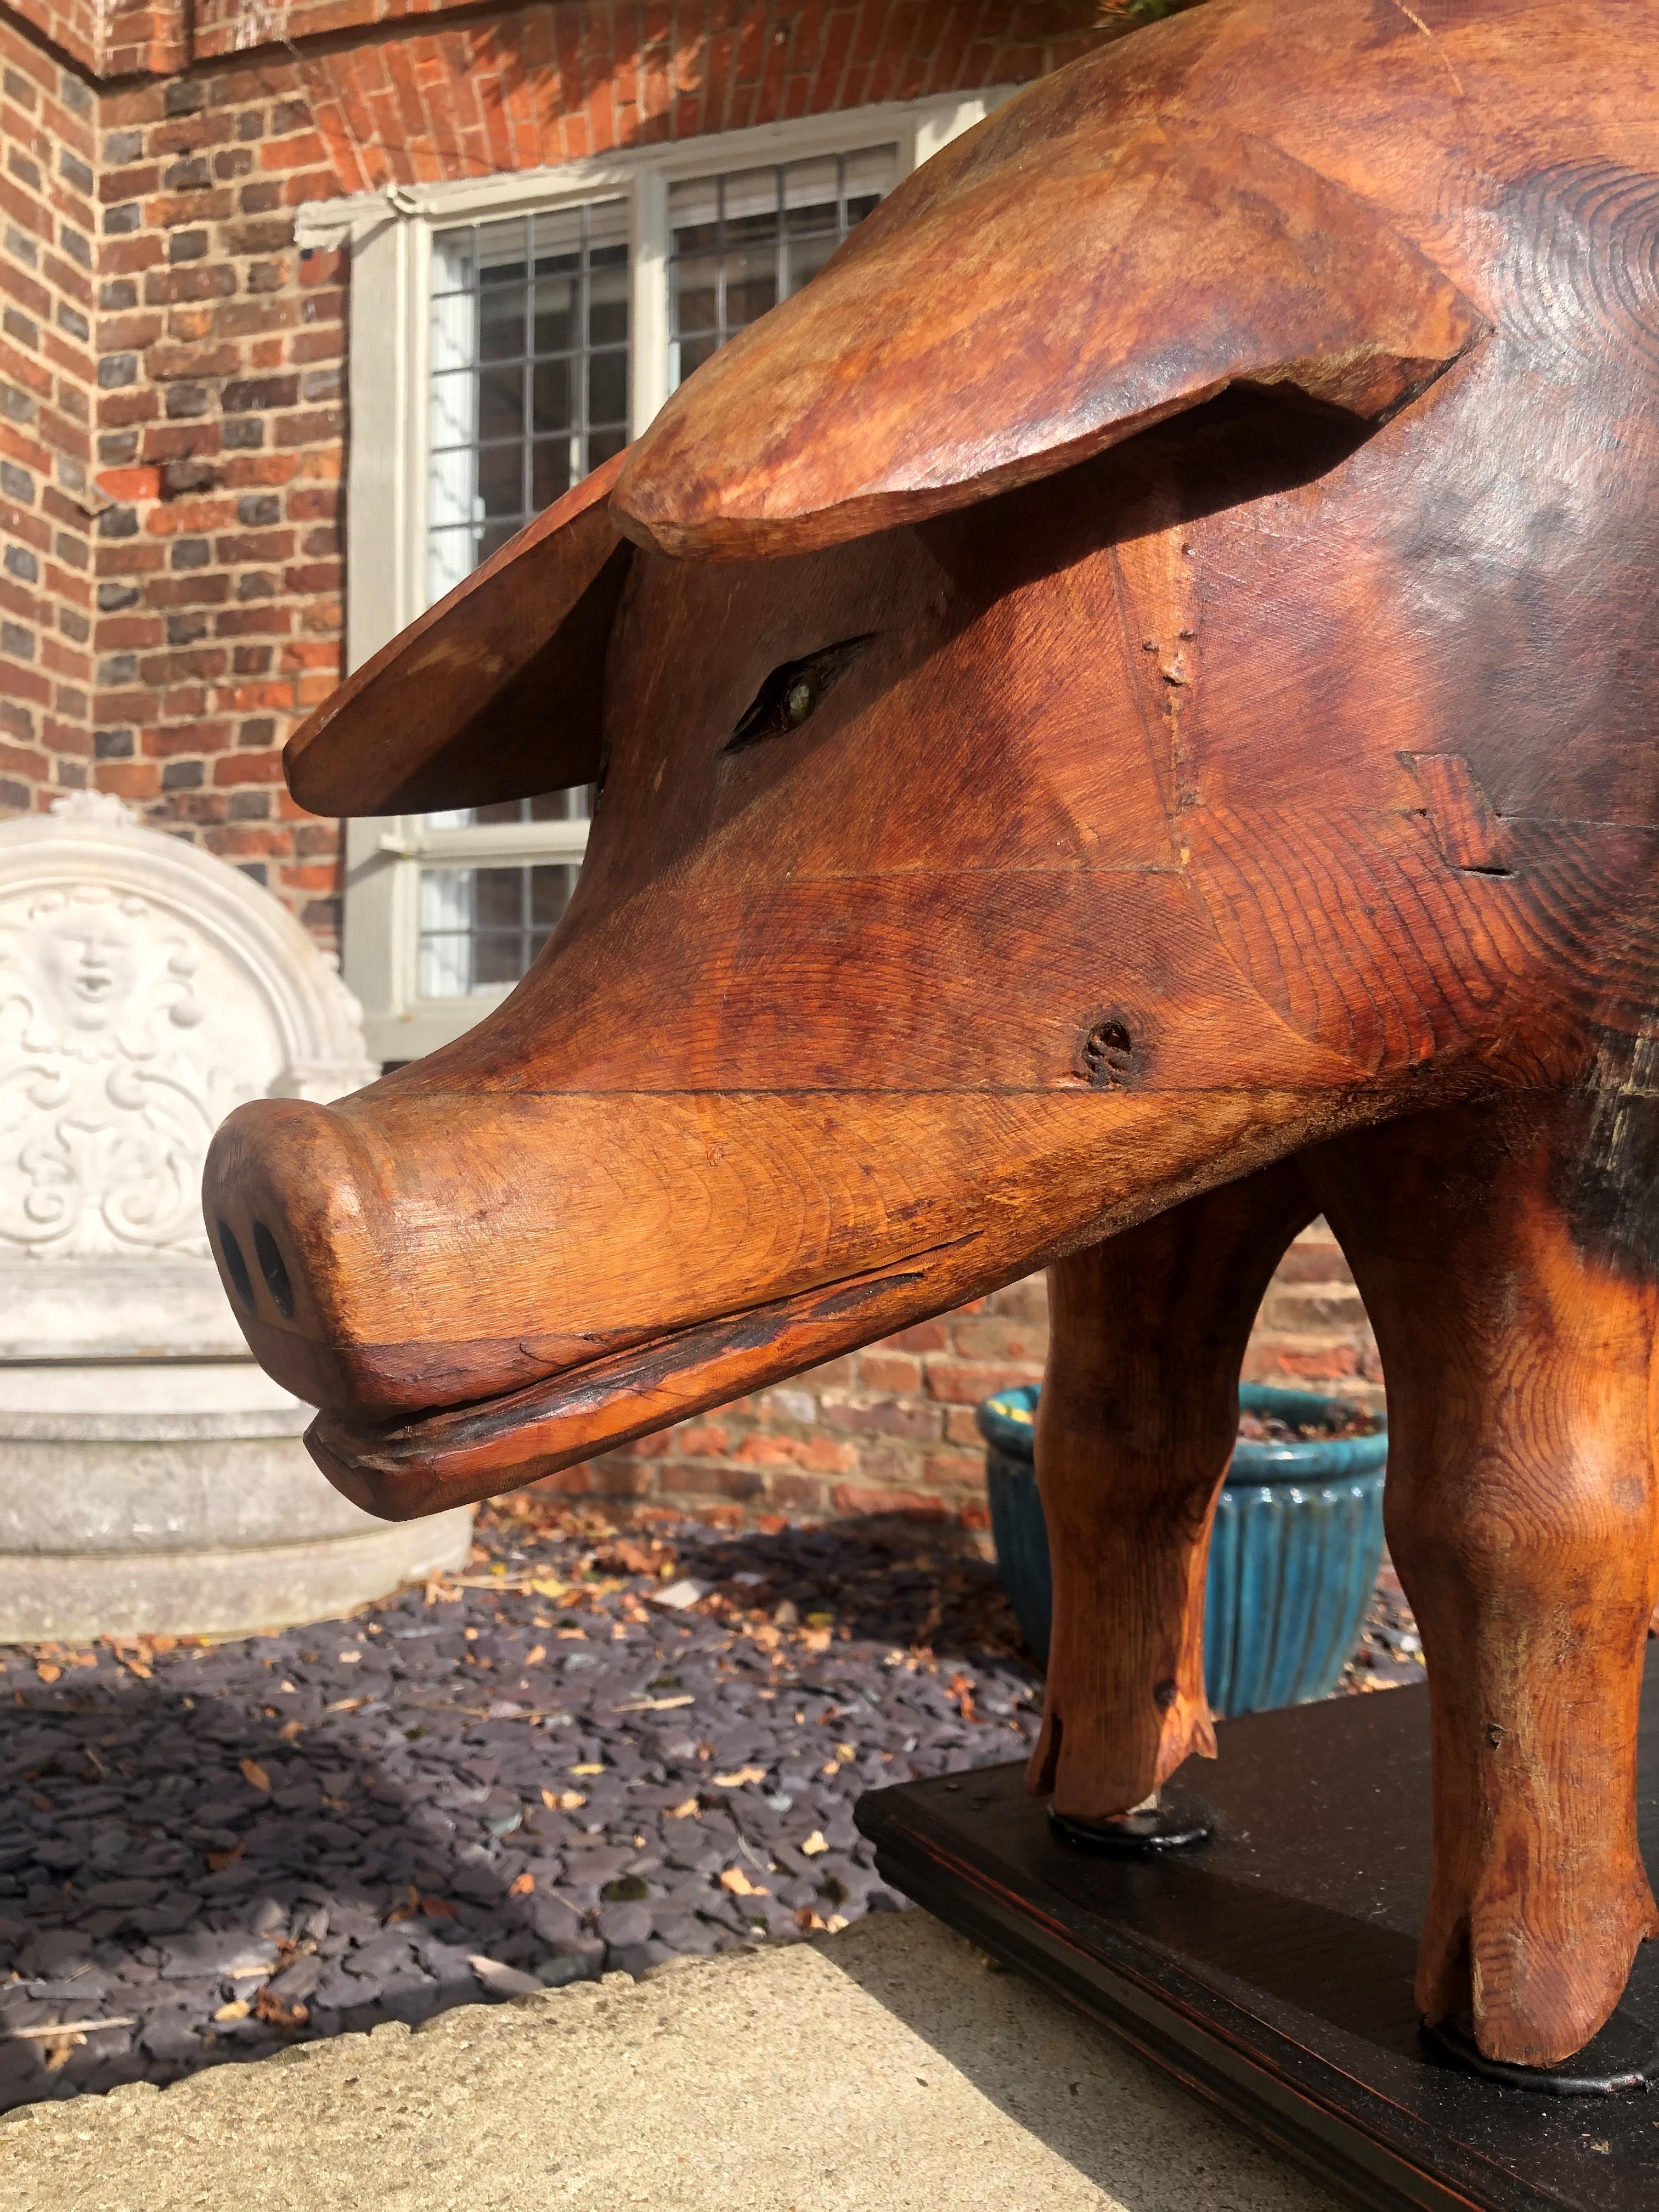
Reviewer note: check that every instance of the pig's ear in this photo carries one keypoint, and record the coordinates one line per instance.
(493, 694)
(1025, 300)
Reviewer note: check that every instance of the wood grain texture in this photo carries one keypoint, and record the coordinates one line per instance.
(1523, 1513)
(1135, 1427)
(1206, 523)
(453, 712)
(968, 317)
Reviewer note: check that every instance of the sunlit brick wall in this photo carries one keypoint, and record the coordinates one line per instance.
(48, 245)
(222, 437)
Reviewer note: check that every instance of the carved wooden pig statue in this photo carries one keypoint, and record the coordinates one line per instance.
(1125, 714)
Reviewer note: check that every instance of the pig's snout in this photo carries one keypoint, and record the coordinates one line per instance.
(370, 1266)
(284, 1201)
(406, 1251)
(417, 1248)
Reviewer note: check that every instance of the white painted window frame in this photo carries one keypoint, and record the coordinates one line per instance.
(389, 238)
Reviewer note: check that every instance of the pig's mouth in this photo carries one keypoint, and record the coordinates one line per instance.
(455, 1454)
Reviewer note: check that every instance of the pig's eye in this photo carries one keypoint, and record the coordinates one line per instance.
(792, 694)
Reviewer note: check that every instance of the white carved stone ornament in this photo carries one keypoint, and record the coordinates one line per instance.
(152, 1477)
(145, 990)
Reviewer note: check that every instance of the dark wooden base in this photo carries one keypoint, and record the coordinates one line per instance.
(1271, 1969)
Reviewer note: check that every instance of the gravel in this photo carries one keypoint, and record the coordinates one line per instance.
(595, 1751)
(1391, 1653)
(533, 1773)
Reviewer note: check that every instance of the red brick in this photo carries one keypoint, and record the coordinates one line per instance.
(879, 1370)
(925, 1336)
(991, 1338)
(851, 1498)
(964, 1382)
(704, 1440)
(134, 779)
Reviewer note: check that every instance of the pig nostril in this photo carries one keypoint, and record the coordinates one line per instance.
(271, 1267)
(235, 1266)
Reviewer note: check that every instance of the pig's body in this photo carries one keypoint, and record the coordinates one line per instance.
(1127, 715)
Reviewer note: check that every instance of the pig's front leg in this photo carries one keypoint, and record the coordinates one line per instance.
(1504, 1255)
(1138, 1412)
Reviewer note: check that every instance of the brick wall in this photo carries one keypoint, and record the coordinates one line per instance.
(48, 234)
(221, 438)
(889, 1430)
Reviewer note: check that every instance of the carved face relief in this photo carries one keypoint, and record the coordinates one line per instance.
(110, 1084)
(90, 962)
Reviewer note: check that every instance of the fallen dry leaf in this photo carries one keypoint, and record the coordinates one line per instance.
(550, 1801)
(814, 1843)
(534, 1655)
(255, 1775)
(738, 1883)
(522, 1887)
(806, 1920)
(238, 2008)
(744, 1774)
(217, 1859)
(683, 1811)
(46, 1671)
(291, 1730)
(434, 1908)
(625, 1557)
(571, 1800)
(290, 2018)
(588, 1767)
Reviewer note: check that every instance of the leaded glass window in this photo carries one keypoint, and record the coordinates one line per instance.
(480, 928)
(529, 352)
(740, 242)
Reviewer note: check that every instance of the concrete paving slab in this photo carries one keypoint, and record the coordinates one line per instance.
(883, 2069)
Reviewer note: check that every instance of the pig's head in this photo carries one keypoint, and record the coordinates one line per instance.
(1082, 697)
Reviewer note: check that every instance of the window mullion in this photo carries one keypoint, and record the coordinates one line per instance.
(649, 320)
(580, 421)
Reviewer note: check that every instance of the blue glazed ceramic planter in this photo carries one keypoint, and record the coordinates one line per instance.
(1293, 1557)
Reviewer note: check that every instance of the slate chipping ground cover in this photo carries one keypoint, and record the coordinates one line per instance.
(596, 1750)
